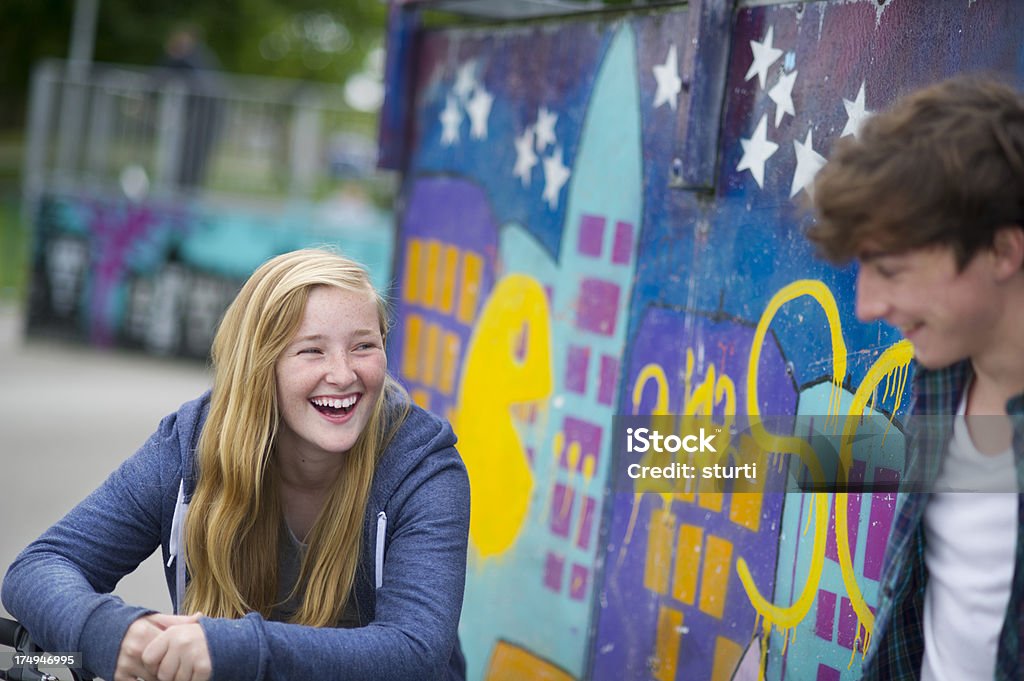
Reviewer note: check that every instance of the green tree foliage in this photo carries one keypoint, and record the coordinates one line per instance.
(29, 30)
(322, 40)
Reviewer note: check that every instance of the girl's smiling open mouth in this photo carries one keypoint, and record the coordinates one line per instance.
(335, 407)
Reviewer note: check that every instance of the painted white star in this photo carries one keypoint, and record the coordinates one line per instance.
(525, 158)
(856, 114)
(669, 83)
(756, 151)
(545, 128)
(782, 95)
(465, 80)
(451, 119)
(808, 163)
(479, 110)
(764, 56)
(555, 177)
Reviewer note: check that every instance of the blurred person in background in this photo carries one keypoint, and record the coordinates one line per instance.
(189, 63)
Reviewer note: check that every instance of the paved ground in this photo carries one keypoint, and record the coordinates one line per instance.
(68, 416)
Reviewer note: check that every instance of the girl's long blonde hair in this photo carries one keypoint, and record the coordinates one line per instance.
(235, 516)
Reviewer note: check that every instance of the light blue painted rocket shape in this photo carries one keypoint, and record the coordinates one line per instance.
(553, 567)
(590, 310)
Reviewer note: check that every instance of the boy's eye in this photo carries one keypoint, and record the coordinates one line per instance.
(888, 269)
(888, 272)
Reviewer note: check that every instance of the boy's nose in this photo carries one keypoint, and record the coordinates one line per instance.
(871, 296)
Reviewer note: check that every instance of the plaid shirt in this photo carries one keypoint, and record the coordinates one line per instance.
(897, 644)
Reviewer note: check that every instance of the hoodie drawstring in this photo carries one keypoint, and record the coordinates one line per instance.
(176, 547)
(378, 572)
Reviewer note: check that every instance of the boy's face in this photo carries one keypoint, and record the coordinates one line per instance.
(946, 313)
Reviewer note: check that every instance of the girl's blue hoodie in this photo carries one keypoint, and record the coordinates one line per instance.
(408, 588)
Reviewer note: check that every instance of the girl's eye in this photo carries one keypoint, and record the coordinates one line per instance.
(305, 351)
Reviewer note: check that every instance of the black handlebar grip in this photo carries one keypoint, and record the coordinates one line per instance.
(9, 630)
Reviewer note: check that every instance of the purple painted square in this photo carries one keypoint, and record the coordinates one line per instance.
(587, 434)
(554, 566)
(883, 507)
(578, 582)
(577, 361)
(562, 501)
(826, 673)
(826, 622)
(586, 523)
(848, 624)
(622, 249)
(591, 235)
(609, 378)
(597, 309)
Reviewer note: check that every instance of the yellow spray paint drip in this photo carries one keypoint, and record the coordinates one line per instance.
(558, 445)
(766, 631)
(589, 468)
(900, 374)
(493, 380)
(634, 513)
(895, 359)
(573, 461)
(557, 451)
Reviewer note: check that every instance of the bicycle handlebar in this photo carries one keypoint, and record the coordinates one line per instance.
(14, 635)
(11, 633)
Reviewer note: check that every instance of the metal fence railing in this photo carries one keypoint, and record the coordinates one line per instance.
(145, 131)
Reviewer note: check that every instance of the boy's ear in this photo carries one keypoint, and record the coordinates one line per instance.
(1008, 249)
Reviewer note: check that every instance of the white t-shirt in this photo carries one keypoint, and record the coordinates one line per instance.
(971, 539)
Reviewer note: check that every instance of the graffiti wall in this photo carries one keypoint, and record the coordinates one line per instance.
(604, 215)
(158, 276)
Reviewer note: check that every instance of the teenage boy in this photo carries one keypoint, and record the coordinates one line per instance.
(929, 200)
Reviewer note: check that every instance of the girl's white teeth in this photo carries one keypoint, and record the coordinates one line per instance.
(334, 403)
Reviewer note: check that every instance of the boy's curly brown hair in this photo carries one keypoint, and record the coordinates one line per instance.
(943, 166)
